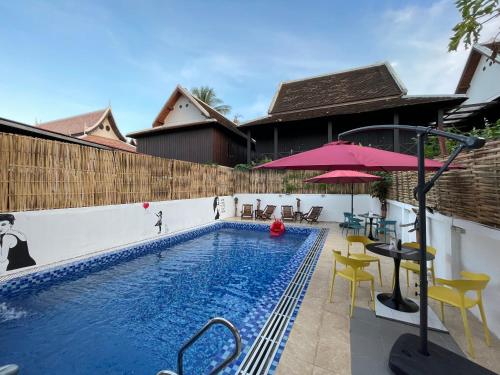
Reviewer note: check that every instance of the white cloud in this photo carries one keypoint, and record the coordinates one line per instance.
(418, 41)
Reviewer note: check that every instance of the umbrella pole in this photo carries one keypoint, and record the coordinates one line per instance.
(423, 244)
(352, 199)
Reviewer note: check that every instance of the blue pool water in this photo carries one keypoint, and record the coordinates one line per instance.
(132, 317)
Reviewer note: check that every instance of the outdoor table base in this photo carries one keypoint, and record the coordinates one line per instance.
(395, 300)
(370, 225)
(370, 234)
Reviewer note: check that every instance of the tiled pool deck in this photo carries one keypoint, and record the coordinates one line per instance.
(319, 342)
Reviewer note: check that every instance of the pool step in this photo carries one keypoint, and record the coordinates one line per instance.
(192, 340)
(261, 355)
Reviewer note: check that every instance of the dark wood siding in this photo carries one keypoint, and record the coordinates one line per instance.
(298, 136)
(194, 145)
(228, 148)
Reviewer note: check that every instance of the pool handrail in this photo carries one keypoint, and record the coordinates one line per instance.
(192, 340)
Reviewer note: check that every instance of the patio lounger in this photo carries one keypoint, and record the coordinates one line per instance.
(266, 213)
(313, 214)
(287, 213)
(247, 211)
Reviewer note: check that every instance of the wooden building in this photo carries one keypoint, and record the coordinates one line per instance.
(480, 82)
(97, 127)
(15, 127)
(310, 112)
(188, 129)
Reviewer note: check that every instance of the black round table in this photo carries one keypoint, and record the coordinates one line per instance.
(395, 300)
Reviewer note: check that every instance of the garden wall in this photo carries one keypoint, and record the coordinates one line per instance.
(334, 205)
(462, 245)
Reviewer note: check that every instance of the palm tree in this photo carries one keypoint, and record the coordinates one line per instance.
(207, 95)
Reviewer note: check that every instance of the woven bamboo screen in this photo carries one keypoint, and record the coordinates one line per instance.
(472, 193)
(37, 174)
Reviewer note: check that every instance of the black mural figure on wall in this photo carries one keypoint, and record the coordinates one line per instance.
(13, 245)
(159, 221)
(216, 208)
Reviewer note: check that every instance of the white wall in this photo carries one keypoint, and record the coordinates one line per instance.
(334, 205)
(184, 115)
(57, 235)
(461, 246)
(485, 83)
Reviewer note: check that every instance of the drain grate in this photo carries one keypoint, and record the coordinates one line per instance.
(261, 354)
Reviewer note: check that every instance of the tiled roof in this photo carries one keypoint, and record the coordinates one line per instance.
(75, 124)
(114, 143)
(370, 106)
(368, 83)
(15, 127)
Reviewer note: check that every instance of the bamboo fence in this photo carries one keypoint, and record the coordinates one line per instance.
(37, 174)
(471, 193)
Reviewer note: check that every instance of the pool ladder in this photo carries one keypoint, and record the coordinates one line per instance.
(9, 370)
(192, 340)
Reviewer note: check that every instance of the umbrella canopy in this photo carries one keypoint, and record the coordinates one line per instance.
(346, 155)
(344, 177)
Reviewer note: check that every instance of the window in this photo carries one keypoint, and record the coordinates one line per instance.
(101, 126)
(180, 106)
(108, 128)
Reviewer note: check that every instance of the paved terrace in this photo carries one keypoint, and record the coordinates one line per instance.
(319, 343)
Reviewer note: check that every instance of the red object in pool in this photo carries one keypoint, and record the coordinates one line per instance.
(145, 205)
(277, 228)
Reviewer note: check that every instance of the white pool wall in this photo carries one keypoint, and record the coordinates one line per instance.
(334, 205)
(63, 234)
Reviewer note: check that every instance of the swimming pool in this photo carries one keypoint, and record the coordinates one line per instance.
(128, 312)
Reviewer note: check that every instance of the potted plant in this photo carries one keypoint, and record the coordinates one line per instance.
(380, 190)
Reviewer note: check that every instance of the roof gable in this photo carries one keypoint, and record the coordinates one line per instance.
(84, 123)
(169, 106)
(75, 124)
(350, 86)
(208, 115)
(489, 50)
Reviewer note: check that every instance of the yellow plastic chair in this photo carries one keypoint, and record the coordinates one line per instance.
(353, 272)
(363, 240)
(412, 266)
(453, 292)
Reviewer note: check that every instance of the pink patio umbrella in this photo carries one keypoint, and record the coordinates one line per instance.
(346, 155)
(344, 177)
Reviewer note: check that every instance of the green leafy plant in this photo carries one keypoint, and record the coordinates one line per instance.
(247, 167)
(243, 167)
(380, 189)
(290, 187)
(474, 13)
(491, 131)
(207, 95)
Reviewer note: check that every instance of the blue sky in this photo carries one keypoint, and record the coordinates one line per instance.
(61, 58)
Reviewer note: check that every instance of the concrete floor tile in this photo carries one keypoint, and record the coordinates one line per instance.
(324, 329)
